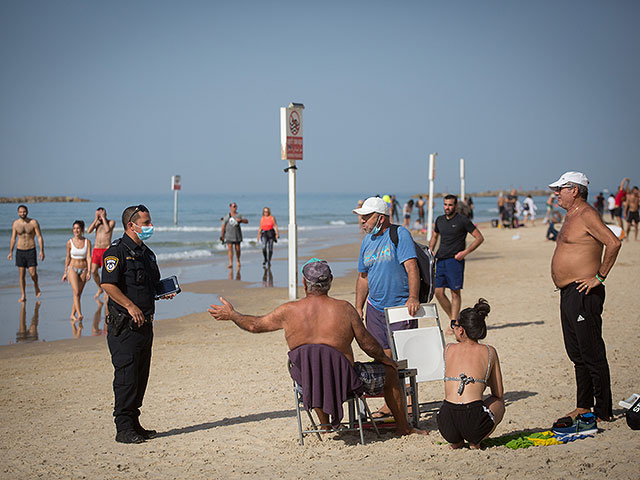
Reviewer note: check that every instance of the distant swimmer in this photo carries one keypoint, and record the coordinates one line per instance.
(585, 253)
(104, 231)
(632, 215)
(26, 229)
(620, 199)
(420, 205)
(529, 210)
(406, 214)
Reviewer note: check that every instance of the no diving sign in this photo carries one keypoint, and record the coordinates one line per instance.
(291, 133)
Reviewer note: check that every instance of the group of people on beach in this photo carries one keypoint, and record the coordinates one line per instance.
(464, 207)
(82, 262)
(83, 259)
(319, 326)
(586, 250)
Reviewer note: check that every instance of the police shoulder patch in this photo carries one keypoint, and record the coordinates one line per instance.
(110, 263)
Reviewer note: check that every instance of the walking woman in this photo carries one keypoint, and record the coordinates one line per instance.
(76, 268)
(463, 414)
(267, 234)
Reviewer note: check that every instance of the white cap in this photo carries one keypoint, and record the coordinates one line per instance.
(373, 204)
(573, 177)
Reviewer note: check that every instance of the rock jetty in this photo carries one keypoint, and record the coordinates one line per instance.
(40, 199)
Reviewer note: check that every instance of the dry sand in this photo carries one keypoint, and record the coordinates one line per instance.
(222, 398)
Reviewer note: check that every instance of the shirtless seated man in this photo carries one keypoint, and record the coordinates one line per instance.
(25, 230)
(104, 231)
(318, 318)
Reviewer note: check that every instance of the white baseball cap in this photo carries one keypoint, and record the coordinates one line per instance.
(373, 204)
(573, 177)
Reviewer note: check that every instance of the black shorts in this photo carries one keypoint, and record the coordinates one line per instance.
(26, 258)
(465, 421)
(617, 212)
(633, 217)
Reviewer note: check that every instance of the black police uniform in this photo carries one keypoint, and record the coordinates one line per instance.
(134, 270)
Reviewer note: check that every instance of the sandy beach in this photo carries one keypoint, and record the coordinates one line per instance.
(222, 398)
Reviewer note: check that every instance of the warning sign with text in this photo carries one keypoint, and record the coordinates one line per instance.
(291, 133)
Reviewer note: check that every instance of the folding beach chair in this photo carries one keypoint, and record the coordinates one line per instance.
(331, 365)
(422, 347)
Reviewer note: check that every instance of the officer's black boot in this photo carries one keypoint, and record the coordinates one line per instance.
(143, 432)
(129, 436)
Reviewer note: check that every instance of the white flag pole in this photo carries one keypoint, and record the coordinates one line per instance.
(432, 175)
(462, 179)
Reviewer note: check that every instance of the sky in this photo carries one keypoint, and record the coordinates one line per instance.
(116, 96)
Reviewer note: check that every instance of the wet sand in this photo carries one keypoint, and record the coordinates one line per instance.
(222, 398)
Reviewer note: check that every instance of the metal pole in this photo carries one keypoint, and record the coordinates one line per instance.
(432, 174)
(175, 207)
(293, 234)
(462, 179)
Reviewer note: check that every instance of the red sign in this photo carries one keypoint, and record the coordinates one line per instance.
(294, 148)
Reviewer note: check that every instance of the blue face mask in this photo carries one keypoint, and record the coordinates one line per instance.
(146, 232)
(376, 229)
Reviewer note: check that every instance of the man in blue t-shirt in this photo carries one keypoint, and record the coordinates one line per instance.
(388, 275)
(452, 229)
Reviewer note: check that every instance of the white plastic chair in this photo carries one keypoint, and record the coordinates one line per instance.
(422, 347)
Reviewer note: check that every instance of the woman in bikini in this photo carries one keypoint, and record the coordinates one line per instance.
(469, 368)
(76, 270)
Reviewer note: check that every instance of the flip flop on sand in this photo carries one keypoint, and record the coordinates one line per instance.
(379, 415)
(563, 422)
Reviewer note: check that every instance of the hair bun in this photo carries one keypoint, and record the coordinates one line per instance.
(482, 307)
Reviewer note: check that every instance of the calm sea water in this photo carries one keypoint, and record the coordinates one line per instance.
(191, 250)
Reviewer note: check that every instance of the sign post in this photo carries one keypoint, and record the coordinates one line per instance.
(291, 150)
(432, 176)
(175, 186)
(462, 179)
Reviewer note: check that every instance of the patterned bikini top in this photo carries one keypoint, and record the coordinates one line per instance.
(463, 378)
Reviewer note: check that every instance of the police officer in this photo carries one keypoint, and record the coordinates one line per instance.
(129, 276)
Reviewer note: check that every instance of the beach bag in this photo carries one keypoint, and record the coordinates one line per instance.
(426, 266)
(633, 416)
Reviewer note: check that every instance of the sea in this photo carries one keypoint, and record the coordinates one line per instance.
(190, 249)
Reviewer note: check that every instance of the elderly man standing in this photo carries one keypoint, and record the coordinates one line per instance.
(387, 274)
(579, 269)
(320, 319)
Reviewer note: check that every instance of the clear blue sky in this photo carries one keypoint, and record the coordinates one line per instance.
(117, 96)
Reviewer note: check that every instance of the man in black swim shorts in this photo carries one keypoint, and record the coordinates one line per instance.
(24, 230)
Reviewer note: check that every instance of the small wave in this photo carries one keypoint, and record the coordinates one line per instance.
(185, 255)
(186, 228)
(337, 222)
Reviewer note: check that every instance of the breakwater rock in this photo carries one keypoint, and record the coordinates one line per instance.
(40, 199)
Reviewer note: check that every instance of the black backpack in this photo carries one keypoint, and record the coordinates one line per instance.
(426, 266)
